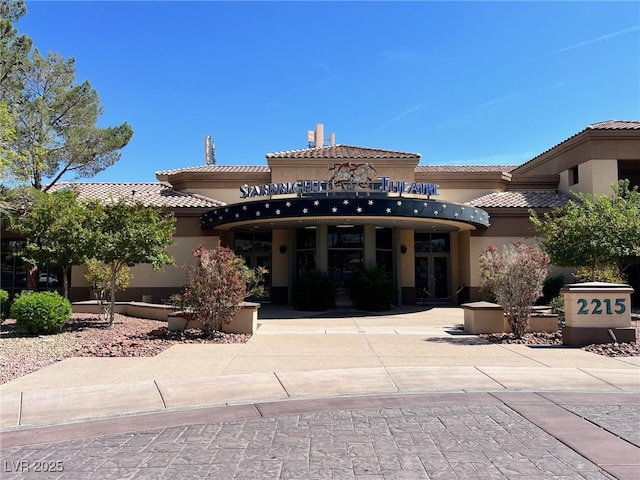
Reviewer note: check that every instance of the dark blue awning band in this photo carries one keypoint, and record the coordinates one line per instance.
(289, 208)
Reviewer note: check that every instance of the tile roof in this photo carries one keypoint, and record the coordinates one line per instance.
(606, 125)
(464, 168)
(150, 194)
(342, 151)
(523, 199)
(218, 169)
(615, 125)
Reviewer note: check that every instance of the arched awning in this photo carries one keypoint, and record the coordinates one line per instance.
(357, 210)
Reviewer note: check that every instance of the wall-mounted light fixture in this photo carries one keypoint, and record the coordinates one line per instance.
(283, 249)
(403, 249)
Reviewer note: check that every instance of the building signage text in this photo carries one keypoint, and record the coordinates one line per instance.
(384, 184)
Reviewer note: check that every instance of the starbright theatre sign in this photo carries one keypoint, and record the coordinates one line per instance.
(344, 177)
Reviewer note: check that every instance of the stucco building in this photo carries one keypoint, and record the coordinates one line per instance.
(335, 207)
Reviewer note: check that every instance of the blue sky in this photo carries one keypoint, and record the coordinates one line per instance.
(458, 82)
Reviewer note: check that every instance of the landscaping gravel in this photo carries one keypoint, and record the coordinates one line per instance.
(543, 338)
(86, 335)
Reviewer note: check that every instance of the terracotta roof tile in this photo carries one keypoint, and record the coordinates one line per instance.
(150, 194)
(342, 152)
(523, 199)
(464, 168)
(606, 125)
(219, 169)
(615, 125)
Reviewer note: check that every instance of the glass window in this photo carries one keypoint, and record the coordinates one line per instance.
(432, 242)
(440, 242)
(422, 242)
(243, 242)
(305, 238)
(384, 238)
(384, 258)
(346, 236)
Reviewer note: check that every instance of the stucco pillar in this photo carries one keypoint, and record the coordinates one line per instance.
(322, 252)
(369, 244)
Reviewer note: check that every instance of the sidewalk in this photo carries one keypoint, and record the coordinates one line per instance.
(366, 366)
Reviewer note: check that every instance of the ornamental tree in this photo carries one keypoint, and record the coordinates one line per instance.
(515, 275)
(217, 285)
(129, 233)
(594, 231)
(98, 275)
(56, 230)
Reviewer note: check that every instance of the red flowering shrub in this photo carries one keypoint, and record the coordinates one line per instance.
(515, 275)
(217, 285)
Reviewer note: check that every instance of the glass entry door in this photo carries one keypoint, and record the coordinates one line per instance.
(432, 279)
(345, 255)
(255, 247)
(432, 265)
(254, 260)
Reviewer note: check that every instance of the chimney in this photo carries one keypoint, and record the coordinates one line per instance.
(332, 139)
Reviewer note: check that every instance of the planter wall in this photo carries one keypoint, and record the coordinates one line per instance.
(246, 321)
(486, 317)
(151, 311)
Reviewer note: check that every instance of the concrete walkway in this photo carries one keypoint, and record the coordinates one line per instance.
(333, 363)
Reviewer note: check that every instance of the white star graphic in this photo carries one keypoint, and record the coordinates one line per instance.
(399, 202)
(305, 210)
(237, 215)
(415, 210)
(370, 202)
(334, 209)
(346, 202)
(435, 212)
(257, 214)
(278, 211)
(220, 217)
(316, 203)
(288, 204)
(266, 205)
(388, 210)
(359, 209)
(244, 207)
(226, 209)
(444, 205)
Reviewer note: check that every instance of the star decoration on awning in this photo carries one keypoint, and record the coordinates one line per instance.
(339, 206)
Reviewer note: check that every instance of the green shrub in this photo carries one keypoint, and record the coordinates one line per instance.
(604, 273)
(372, 288)
(41, 312)
(557, 304)
(551, 289)
(5, 304)
(314, 291)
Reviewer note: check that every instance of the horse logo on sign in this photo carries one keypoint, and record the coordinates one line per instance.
(350, 176)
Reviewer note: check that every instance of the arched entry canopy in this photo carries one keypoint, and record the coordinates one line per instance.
(356, 210)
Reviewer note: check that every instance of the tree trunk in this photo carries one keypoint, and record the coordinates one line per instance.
(112, 306)
(32, 279)
(65, 282)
